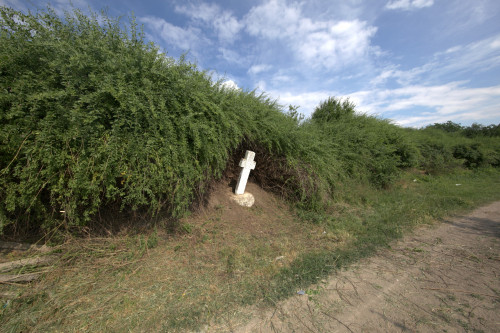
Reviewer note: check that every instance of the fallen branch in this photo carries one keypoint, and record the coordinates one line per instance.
(19, 278)
(328, 315)
(23, 246)
(39, 261)
(14, 246)
(8, 294)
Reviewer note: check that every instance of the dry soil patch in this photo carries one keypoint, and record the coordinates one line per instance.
(442, 278)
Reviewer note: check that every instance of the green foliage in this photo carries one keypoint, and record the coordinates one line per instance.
(94, 118)
(368, 148)
(449, 127)
(442, 148)
(476, 130)
(333, 109)
(472, 131)
(471, 153)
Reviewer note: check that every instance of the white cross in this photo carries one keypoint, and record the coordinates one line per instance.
(247, 164)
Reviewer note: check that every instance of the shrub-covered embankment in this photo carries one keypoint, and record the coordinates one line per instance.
(93, 118)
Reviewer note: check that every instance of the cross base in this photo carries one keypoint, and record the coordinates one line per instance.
(246, 199)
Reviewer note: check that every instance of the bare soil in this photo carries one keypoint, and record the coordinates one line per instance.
(441, 278)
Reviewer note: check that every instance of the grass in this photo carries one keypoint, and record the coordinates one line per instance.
(386, 216)
(229, 260)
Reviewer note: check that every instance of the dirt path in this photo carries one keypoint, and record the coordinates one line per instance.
(443, 278)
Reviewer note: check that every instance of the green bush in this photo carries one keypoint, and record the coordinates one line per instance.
(368, 148)
(95, 118)
(443, 146)
(436, 157)
(333, 109)
(471, 153)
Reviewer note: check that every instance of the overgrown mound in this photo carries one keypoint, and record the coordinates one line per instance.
(94, 119)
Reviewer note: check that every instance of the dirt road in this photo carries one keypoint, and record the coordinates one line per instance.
(443, 278)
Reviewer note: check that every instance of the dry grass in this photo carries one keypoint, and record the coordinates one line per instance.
(223, 258)
(220, 258)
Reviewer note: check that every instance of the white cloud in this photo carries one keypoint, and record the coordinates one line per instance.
(452, 101)
(328, 44)
(336, 44)
(421, 88)
(256, 69)
(408, 4)
(230, 84)
(205, 12)
(413, 105)
(223, 22)
(232, 56)
(261, 86)
(280, 77)
(467, 17)
(474, 58)
(478, 56)
(273, 19)
(307, 101)
(184, 39)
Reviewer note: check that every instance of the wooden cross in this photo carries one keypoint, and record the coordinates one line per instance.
(247, 164)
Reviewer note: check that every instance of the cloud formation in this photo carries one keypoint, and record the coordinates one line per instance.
(230, 84)
(448, 101)
(223, 22)
(256, 69)
(470, 59)
(184, 39)
(318, 43)
(408, 4)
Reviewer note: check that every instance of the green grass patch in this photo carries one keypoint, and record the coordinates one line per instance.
(385, 218)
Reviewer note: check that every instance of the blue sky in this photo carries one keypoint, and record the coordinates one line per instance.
(416, 62)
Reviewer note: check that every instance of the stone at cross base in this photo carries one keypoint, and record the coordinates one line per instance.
(242, 198)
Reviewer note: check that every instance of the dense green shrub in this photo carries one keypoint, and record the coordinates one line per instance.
(436, 157)
(449, 127)
(368, 148)
(94, 116)
(471, 153)
(333, 109)
(443, 146)
(478, 130)
(473, 131)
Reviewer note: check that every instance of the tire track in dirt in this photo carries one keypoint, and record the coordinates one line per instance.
(442, 278)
